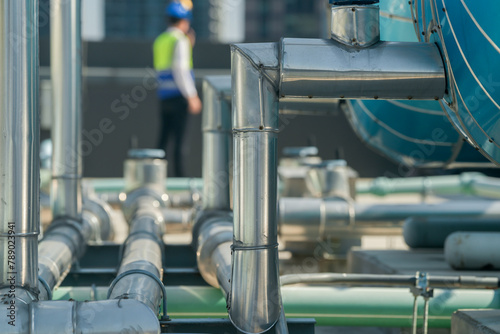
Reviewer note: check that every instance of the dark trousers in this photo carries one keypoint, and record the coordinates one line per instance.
(174, 114)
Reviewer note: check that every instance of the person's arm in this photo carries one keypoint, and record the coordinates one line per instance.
(182, 75)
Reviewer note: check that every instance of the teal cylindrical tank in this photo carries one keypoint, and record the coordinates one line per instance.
(469, 38)
(414, 133)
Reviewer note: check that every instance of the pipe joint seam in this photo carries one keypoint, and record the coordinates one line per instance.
(165, 316)
(45, 285)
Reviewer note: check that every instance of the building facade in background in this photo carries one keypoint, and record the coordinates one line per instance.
(219, 21)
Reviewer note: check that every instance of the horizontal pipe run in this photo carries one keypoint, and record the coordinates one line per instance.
(464, 282)
(326, 70)
(142, 252)
(439, 185)
(61, 246)
(473, 250)
(117, 185)
(99, 317)
(307, 219)
(330, 306)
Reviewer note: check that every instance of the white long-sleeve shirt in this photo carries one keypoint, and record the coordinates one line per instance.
(181, 64)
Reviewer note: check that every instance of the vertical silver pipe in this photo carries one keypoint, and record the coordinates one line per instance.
(66, 67)
(19, 144)
(216, 137)
(255, 300)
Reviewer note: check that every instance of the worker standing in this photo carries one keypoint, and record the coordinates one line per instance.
(173, 61)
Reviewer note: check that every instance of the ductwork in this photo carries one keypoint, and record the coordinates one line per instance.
(298, 70)
(19, 148)
(255, 274)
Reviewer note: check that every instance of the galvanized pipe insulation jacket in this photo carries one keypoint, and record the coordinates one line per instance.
(142, 251)
(66, 74)
(298, 70)
(216, 126)
(255, 273)
(73, 317)
(303, 219)
(19, 145)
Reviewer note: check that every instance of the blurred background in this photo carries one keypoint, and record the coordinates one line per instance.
(118, 78)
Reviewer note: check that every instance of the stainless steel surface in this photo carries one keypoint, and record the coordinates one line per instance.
(145, 172)
(99, 214)
(307, 219)
(216, 125)
(66, 68)
(131, 201)
(311, 107)
(222, 258)
(19, 144)
(210, 255)
(355, 25)
(142, 251)
(255, 300)
(326, 70)
(101, 317)
(183, 217)
(60, 247)
(23, 300)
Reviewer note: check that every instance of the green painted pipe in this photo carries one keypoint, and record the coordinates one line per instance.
(330, 306)
(440, 185)
(116, 185)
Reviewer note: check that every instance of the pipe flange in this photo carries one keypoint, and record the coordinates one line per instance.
(215, 232)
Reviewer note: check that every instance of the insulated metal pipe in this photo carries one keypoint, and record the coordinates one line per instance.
(326, 69)
(69, 317)
(254, 304)
(213, 252)
(66, 67)
(19, 145)
(216, 125)
(64, 242)
(464, 183)
(473, 250)
(298, 70)
(142, 257)
(307, 219)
